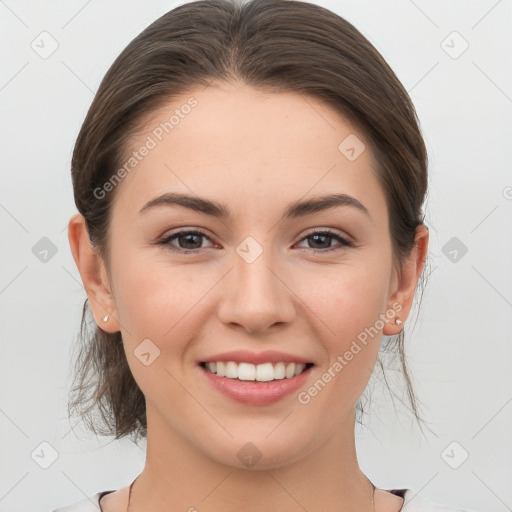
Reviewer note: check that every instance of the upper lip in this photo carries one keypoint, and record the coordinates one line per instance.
(245, 356)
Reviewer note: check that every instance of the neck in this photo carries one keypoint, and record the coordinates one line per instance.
(177, 476)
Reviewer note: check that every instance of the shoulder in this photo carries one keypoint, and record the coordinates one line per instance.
(414, 502)
(89, 504)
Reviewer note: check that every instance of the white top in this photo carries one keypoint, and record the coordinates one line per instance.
(412, 503)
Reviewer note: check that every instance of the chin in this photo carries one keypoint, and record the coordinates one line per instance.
(258, 455)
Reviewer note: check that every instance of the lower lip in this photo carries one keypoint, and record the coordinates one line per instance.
(256, 393)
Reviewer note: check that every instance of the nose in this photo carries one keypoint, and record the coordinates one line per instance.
(256, 296)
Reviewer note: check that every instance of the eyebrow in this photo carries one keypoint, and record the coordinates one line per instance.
(221, 210)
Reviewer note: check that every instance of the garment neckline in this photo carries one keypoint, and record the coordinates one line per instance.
(397, 492)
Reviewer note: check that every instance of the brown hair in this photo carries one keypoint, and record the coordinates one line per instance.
(274, 45)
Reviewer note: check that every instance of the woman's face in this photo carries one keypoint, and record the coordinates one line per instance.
(256, 279)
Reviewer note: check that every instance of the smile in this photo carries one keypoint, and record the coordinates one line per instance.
(265, 372)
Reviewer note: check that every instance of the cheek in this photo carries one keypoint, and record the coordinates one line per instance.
(157, 300)
(158, 303)
(348, 304)
(350, 299)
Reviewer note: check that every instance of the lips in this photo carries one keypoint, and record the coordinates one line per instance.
(253, 393)
(255, 378)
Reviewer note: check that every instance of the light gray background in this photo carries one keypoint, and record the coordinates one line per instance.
(459, 350)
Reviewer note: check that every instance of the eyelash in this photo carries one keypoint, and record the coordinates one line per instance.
(345, 242)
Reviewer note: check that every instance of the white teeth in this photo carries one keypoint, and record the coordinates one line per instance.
(260, 372)
(279, 369)
(231, 370)
(246, 371)
(290, 370)
(221, 368)
(299, 368)
(264, 372)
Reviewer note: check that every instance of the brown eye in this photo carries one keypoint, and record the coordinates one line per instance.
(321, 241)
(188, 241)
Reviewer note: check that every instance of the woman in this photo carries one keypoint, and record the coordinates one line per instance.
(250, 181)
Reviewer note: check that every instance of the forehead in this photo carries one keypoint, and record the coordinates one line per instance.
(242, 145)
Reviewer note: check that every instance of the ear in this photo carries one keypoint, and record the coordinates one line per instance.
(93, 273)
(405, 281)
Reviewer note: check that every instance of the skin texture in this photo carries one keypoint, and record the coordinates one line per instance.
(255, 152)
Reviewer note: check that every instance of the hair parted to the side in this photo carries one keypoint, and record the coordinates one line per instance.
(274, 45)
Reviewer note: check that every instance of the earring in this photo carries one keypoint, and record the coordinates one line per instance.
(105, 318)
(398, 321)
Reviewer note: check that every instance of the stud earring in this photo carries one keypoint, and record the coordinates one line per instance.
(105, 318)
(398, 321)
